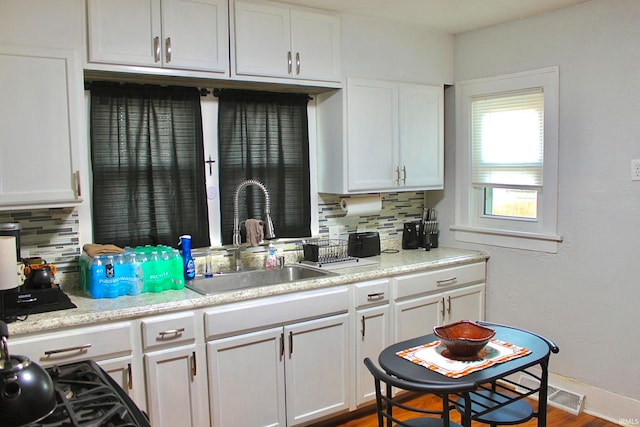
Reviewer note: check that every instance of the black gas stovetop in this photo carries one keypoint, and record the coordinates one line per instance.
(88, 397)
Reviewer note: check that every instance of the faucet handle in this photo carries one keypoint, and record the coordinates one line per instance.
(281, 261)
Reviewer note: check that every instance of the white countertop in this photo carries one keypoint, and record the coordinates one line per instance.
(90, 311)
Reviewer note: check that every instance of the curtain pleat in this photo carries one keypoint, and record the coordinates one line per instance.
(147, 158)
(264, 136)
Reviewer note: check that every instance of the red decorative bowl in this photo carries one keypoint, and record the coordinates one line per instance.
(464, 338)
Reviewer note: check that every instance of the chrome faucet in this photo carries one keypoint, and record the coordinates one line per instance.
(269, 231)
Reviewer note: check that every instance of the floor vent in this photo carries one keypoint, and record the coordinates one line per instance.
(566, 400)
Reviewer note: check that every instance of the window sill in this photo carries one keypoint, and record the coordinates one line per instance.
(507, 239)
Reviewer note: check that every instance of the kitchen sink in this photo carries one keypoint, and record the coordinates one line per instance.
(236, 280)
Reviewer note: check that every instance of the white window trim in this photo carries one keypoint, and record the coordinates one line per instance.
(470, 225)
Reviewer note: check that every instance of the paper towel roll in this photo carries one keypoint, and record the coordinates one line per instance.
(362, 206)
(8, 270)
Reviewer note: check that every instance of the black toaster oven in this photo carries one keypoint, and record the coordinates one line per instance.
(365, 244)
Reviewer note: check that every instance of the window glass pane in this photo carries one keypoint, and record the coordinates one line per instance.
(507, 134)
(509, 202)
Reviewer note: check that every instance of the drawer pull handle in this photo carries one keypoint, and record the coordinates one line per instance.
(375, 297)
(80, 348)
(448, 281)
(175, 332)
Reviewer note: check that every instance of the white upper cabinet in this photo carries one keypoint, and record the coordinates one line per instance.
(172, 34)
(40, 116)
(379, 135)
(273, 40)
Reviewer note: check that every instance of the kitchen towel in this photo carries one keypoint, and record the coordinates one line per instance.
(362, 205)
(255, 232)
(8, 266)
(432, 356)
(95, 249)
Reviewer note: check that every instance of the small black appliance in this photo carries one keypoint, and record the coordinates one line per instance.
(362, 245)
(410, 235)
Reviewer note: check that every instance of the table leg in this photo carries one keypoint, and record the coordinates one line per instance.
(466, 416)
(542, 394)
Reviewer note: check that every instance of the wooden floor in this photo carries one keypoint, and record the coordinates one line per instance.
(555, 417)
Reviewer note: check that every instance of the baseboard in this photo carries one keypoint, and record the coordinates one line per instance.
(601, 403)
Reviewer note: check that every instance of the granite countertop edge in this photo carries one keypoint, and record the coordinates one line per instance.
(125, 308)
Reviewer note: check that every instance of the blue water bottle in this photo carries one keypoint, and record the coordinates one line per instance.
(187, 260)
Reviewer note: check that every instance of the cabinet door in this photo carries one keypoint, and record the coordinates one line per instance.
(196, 35)
(417, 317)
(421, 135)
(246, 379)
(465, 304)
(125, 32)
(262, 40)
(372, 336)
(317, 368)
(177, 387)
(315, 45)
(40, 126)
(121, 370)
(372, 117)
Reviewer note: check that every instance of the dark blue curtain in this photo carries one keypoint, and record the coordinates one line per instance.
(264, 136)
(148, 165)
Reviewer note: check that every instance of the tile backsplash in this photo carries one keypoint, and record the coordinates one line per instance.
(53, 234)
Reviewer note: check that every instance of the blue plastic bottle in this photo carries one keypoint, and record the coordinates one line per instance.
(187, 260)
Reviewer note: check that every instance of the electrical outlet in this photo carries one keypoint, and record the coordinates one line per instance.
(635, 170)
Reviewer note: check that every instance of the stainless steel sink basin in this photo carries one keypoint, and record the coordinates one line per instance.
(233, 281)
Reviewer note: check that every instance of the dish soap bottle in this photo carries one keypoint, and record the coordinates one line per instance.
(188, 263)
(272, 260)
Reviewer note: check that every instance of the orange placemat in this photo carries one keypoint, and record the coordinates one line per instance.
(433, 356)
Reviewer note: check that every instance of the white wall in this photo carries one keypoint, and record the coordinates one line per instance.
(587, 296)
(382, 50)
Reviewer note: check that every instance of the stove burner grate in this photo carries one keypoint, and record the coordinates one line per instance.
(88, 397)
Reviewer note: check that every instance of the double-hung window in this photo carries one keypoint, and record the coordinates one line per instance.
(507, 149)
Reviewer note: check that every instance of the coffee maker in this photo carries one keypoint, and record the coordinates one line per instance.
(38, 293)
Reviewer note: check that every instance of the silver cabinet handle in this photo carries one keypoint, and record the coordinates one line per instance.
(281, 345)
(398, 175)
(404, 174)
(363, 321)
(442, 309)
(448, 281)
(168, 49)
(297, 63)
(194, 366)
(156, 49)
(375, 297)
(289, 62)
(80, 349)
(290, 344)
(76, 178)
(449, 305)
(129, 376)
(176, 332)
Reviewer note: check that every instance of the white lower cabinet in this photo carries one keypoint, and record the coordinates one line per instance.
(175, 372)
(110, 345)
(372, 332)
(280, 361)
(281, 376)
(428, 299)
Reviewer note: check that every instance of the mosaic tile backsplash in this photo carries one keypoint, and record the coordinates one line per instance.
(53, 234)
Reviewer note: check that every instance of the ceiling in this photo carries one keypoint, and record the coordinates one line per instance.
(450, 16)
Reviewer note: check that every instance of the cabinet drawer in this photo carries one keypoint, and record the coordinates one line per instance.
(98, 342)
(372, 292)
(438, 280)
(280, 310)
(168, 330)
